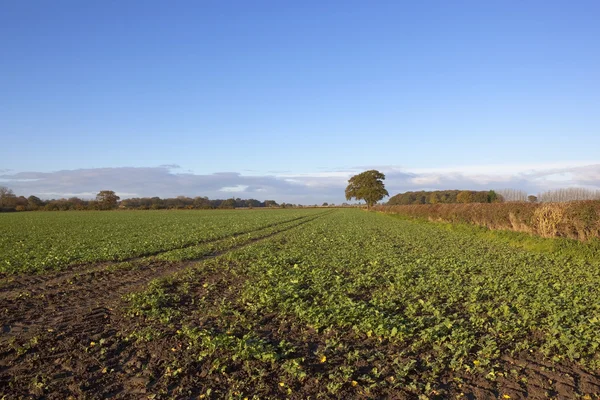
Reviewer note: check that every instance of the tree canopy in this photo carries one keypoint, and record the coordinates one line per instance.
(445, 197)
(367, 186)
(107, 199)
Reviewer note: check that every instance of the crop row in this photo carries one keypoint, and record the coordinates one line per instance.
(362, 303)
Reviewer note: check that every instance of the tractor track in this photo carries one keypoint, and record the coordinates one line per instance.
(12, 286)
(38, 304)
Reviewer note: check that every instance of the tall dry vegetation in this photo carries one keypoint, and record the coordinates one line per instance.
(568, 194)
(576, 219)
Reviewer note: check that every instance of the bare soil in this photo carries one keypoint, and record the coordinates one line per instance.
(68, 335)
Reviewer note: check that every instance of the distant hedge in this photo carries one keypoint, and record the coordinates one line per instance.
(445, 197)
(576, 219)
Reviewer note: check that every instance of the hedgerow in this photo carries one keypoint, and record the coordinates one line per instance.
(576, 220)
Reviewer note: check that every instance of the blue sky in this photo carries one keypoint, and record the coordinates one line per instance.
(303, 94)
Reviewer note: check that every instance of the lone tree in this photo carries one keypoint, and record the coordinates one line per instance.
(107, 199)
(367, 186)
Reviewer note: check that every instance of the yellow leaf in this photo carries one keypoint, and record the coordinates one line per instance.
(281, 384)
(92, 344)
(476, 362)
(354, 383)
(323, 359)
(505, 396)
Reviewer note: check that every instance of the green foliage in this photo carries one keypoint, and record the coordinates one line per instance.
(156, 302)
(331, 303)
(388, 303)
(465, 196)
(444, 197)
(107, 200)
(367, 186)
(493, 197)
(33, 242)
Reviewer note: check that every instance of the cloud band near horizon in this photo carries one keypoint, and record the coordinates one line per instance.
(302, 188)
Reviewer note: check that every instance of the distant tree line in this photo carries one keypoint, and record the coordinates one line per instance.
(569, 194)
(183, 202)
(493, 196)
(108, 200)
(445, 197)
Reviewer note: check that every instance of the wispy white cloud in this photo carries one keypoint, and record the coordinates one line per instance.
(511, 169)
(301, 187)
(426, 180)
(234, 189)
(164, 182)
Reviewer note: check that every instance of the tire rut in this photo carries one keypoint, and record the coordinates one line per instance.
(29, 282)
(27, 310)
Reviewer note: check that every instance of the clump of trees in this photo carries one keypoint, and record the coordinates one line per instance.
(445, 197)
(367, 186)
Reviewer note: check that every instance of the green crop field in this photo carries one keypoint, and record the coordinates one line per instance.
(289, 304)
(40, 241)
